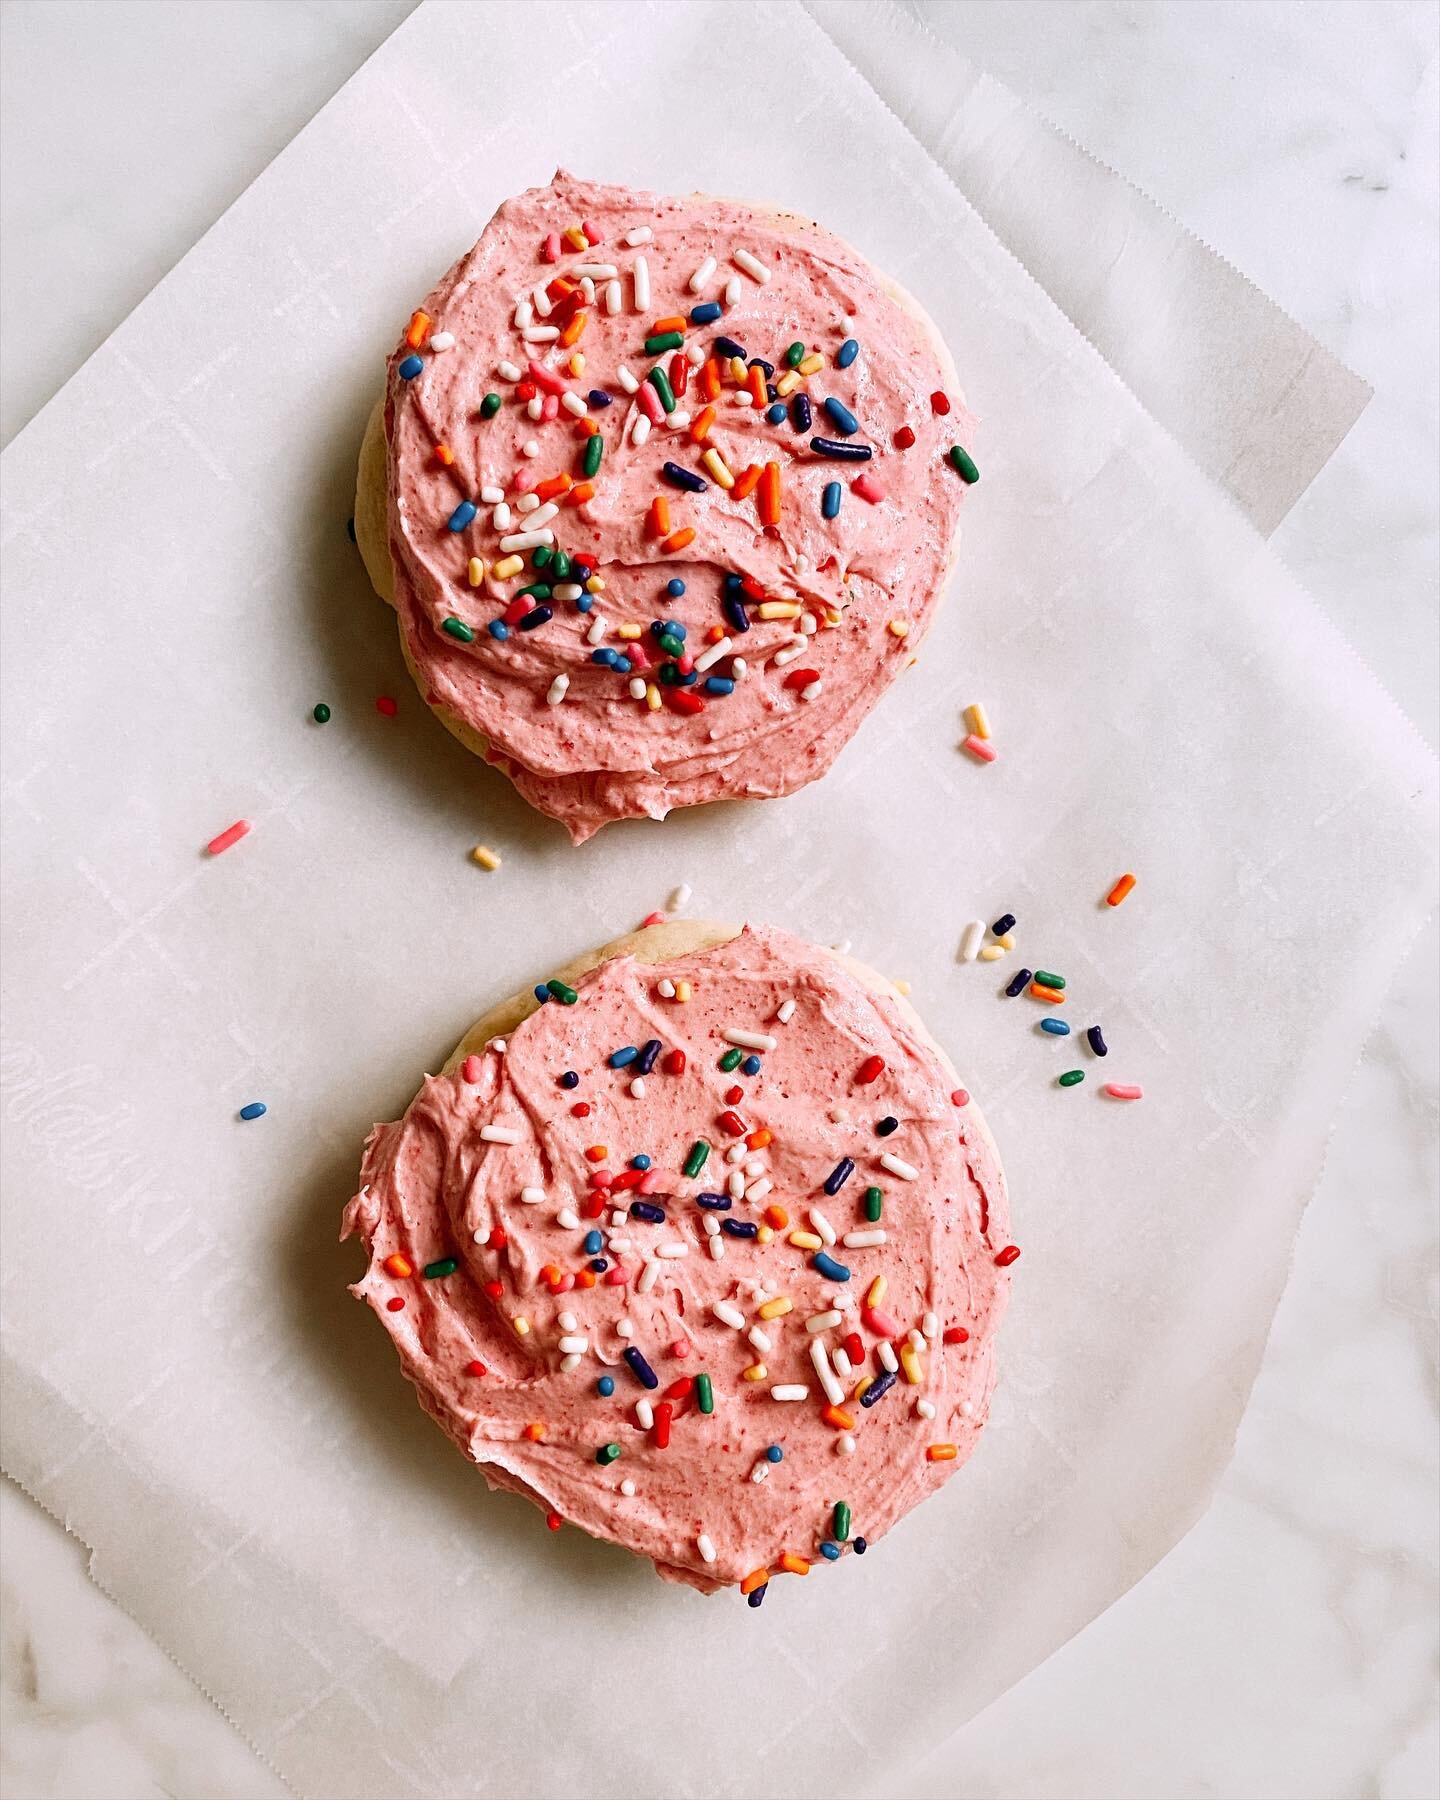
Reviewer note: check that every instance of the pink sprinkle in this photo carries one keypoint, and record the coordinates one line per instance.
(680, 1348)
(550, 249)
(980, 748)
(880, 1323)
(601, 1178)
(550, 407)
(657, 1181)
(636, 655)
(387, 706)
(868, 488)
(470, 1069)
(686, 665)
(1119, 1091)
(655, 918)
(564, 1284)
(218, 845)
(545, 379)
(650, 403)
(523, 480)
(959, 1098)
(616, 1277)
(590, 231)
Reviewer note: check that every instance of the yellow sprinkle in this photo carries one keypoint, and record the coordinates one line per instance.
(899, 628)
(992, 953)
(652, 697)
(776, 1309)
(477, 571)
(682, 988)
(1006, 940)
(861, 1387)
(901, 987)
(812, 363)
(779, 609)
(913, 1367)
(628, 632)
(485, 856)
(756, 1372)
(508, 566)
(978, 720)
(595, 585)
(788, 382)
(876, 1291)
(806, 1240)
(522, 1325)
(576, 238)
(577, 363)
(738, 368)
(763, 1234)
(715, 463)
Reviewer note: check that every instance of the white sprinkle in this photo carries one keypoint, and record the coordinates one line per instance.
(711, 1224)
(707, 659)
(543, 515)
(834, 1393)
(507, 371)
(733, 290)
(752, 266)
(736, 1153)
(886, 1352)
(679, 420)
(498, 1045)
(970, 940)
(500, 518)
(808, 627)
(694, 355)
(637, 1087)
(863, 1240)
(624, 1328)
(615, 1241)
(761, 1471)
(641, 278)
(618, 1215)
(637, 687)
(742, 397)
(575, 403)
(845, 1444)
(760, 1338)
(825, 1321)
(967, 1408)
(788, 651)
(567, 1219)
(639, 430)
(598, 627)
(568, 1364)
(530, 447)
(595, 271)
(533, 1196)
(568, 590)
(898, 1167)
(666, 989)
(822, 1225)
(735, 1184)
(645, 1413)
(499, 1134)
(679, 898)
(567, 1321)
(557, 690)
(527, 503)
(702, 275)
(525, 315)
(442, 341)
(785, 1012)
(647, 1277)
(534, 410)
(627, 380)
(748, 1040)
(729, 1314)
(925, 1408)
(915, 1339)
(614, 299)
(843, 1366)
(705, 1547)
(755, 1167)
(641, 234)
(540, 300)
(811, 690)
(574, 1346)
(540, 334)
(672, 1250)
(480, 1234)
(757, 1190)
(930, 1325)
(587, 290)
(717, 1249)
(492, 496)
(526, 540)
(790, 1390)
(627, 1488)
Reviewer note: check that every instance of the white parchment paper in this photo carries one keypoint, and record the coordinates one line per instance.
(189, 1386)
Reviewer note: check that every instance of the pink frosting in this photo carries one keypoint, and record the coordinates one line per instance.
(600, 753)
(434, 1188)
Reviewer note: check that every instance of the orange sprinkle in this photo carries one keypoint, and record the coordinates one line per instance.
(419, 325)
(659, 522)
(714, 634)
(746, 483)
(673, 324)
(444, 455)
(777, 1217)
(1121, 888)
(700, 427)
(757, 386)
(535, 1432)
(586, 428)
(398, 1266)
(574, 326)
(559, 287)
(677, 540)
(584, 1278)
(579, 494)
(551, 1272)
(940, 1453)
(598, 1152)
(556, 484)
(793, 1564)
(755, 1579)
(710, 379)
(770, 494)
(839, 1418)
(757, 1140)
(1041, 992)
(576, 238)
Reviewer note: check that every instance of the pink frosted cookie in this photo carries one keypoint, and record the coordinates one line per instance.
(705, 1255)
(622, 411)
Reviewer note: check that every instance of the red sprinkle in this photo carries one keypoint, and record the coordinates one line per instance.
(231, 835)
(680, 1389)
(470, 1068)
(594, 1205)
(904, 438)
(1007, 1256)
(580, 1110)
(871, 1068)
(493, 1290)
(733, 1123)
(553, 1520)
(498, 1238)
(664, 1413)
(960, 1098)
(655, 918)
(476, 1368)
(387, 706)
(940, 403)
(516, 610)
(955, 1334)
(733, 1096)
(395, 1305)
(799, 678)
(674, 1063)
(627, 1179)
(681, 700)
(854, 1349)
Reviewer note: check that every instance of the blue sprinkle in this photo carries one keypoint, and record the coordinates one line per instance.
(878, 1388)
(719, 684)
(1019, 983)
(838, 451)
(750, 1066)
(683, 478)
(686, 680)
(774, 1454)
(1058, 1028)
(463, 514)
(499, 630)
(569, 1079)
(830, 500)
(713, 1202)
(1095, 1039)
(775, 415)
(642, 1209)
(772, 393)
(885, 1126)
(623, 1057)
(584, 603)
(542, 615)
(593, 1244)
(621, 665)
(649, 1051)
(831, 1552)
(675, 629)
(741, 1228)
(846, 354)
(675, 588)
(604, 658)
(255, 1110)
(410, 368)
(605, 1385)
(706, 313)
(733, 583)
(597, 1265)
(736, 616)
(598, 397)
(757, 1597)
(839, 1175)
(800, 414)
(759, 362)
(726, 346)
(859, 1546)
(640, 1162)
(829, 1268)
(643, 1373)
(1006, 922)
(841, 417)
(542, 994)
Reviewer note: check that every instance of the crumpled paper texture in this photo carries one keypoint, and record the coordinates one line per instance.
(188, 1384)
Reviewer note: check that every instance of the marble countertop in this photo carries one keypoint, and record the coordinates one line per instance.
(1287, 1647)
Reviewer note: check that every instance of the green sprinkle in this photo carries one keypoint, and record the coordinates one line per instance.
(607, 1453)
(874, 1200)
(594, 450)
(447, 1265)
(660, 381)
(795, 355)
(961, 461)
(663, 341)
(565, 995)
(1072, 1077)
(695, 1161)
(704, 1394)
(321, 714)
(540, 589)
(560, 566)
(458, 629)
(732, 1060)
(670, 644)
(489, 406)
(1046, 979)
(541, 555)
(841, 1529)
